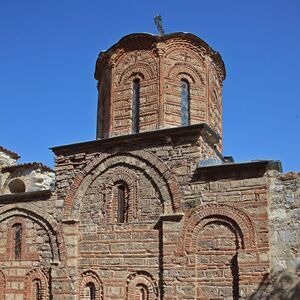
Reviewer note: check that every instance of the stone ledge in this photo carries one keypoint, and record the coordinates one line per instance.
(243, 170)
(26, 197)
(164, 136)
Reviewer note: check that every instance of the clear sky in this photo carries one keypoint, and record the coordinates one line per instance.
(48, 51)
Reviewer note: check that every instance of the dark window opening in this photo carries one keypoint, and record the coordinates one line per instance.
(136, 106)
(122, 204)
(17, 228)
(143, 292)
(185, 103)
(16, 186)
(143, 295)
(91, 290)
(37, 287)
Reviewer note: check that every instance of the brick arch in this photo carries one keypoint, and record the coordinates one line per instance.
(36, 274)
(141, 278)
(201, 51)
(181, 69)
(91, 277)
(10, 246)
(51, 227)
(217, 220)
(197, 218)
(182, 46)
(142, 159)
(120, 54)
(2, 285)
(144, 70)
(121, 174)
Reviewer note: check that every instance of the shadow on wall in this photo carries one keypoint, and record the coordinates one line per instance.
(280, 285)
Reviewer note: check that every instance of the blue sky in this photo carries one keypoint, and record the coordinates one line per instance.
(48, 51)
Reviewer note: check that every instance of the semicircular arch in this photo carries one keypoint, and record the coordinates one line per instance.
(88, 277)
(49, 224)
(197, 218)
(136, 68)
(40, 276)
(183, 69)
(142, 159)
(185, 47)
(141, 278)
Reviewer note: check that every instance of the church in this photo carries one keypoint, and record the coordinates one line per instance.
(150, 209)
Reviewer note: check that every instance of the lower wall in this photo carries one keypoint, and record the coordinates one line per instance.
(284, 237)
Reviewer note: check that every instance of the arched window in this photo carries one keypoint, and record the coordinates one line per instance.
(141, 286)
(136, 106)
(90, 291)
(143, 293)
(122, 203)
(37, 286)
(90, 287)
(185, 103)
(17, 231)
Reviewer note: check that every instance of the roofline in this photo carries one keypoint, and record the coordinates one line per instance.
(241, 170)
(271, 163)
(211, 136)
(34, 165)
(10, 153)
(216, 56)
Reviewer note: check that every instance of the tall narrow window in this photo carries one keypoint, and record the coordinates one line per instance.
(136, 106)
(143, 293)
(38, 289)
(91, 291)
(185, 103)
(122, 204)
(17, 228)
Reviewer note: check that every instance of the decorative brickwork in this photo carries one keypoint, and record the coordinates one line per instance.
(141, 285)
(160, 63)
(11, 244)
(199, 217)
(129, 178)
(90, 287)
(37, 285)
(39, 225)
(162, 179)
(151, 209)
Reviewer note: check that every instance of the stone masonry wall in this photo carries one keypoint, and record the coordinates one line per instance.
(210, 257)
(284, 220)
(184, 238)
(39, 252)
(284, 237)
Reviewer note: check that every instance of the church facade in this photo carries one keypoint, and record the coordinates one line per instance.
(151, 209)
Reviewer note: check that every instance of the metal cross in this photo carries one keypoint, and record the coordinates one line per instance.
(158, 23)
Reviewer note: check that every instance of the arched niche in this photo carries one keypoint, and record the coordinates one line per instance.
(156, 170)
(37, 285)
(91, 287)
(213, 237)
(17, 214)
(141, 285)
